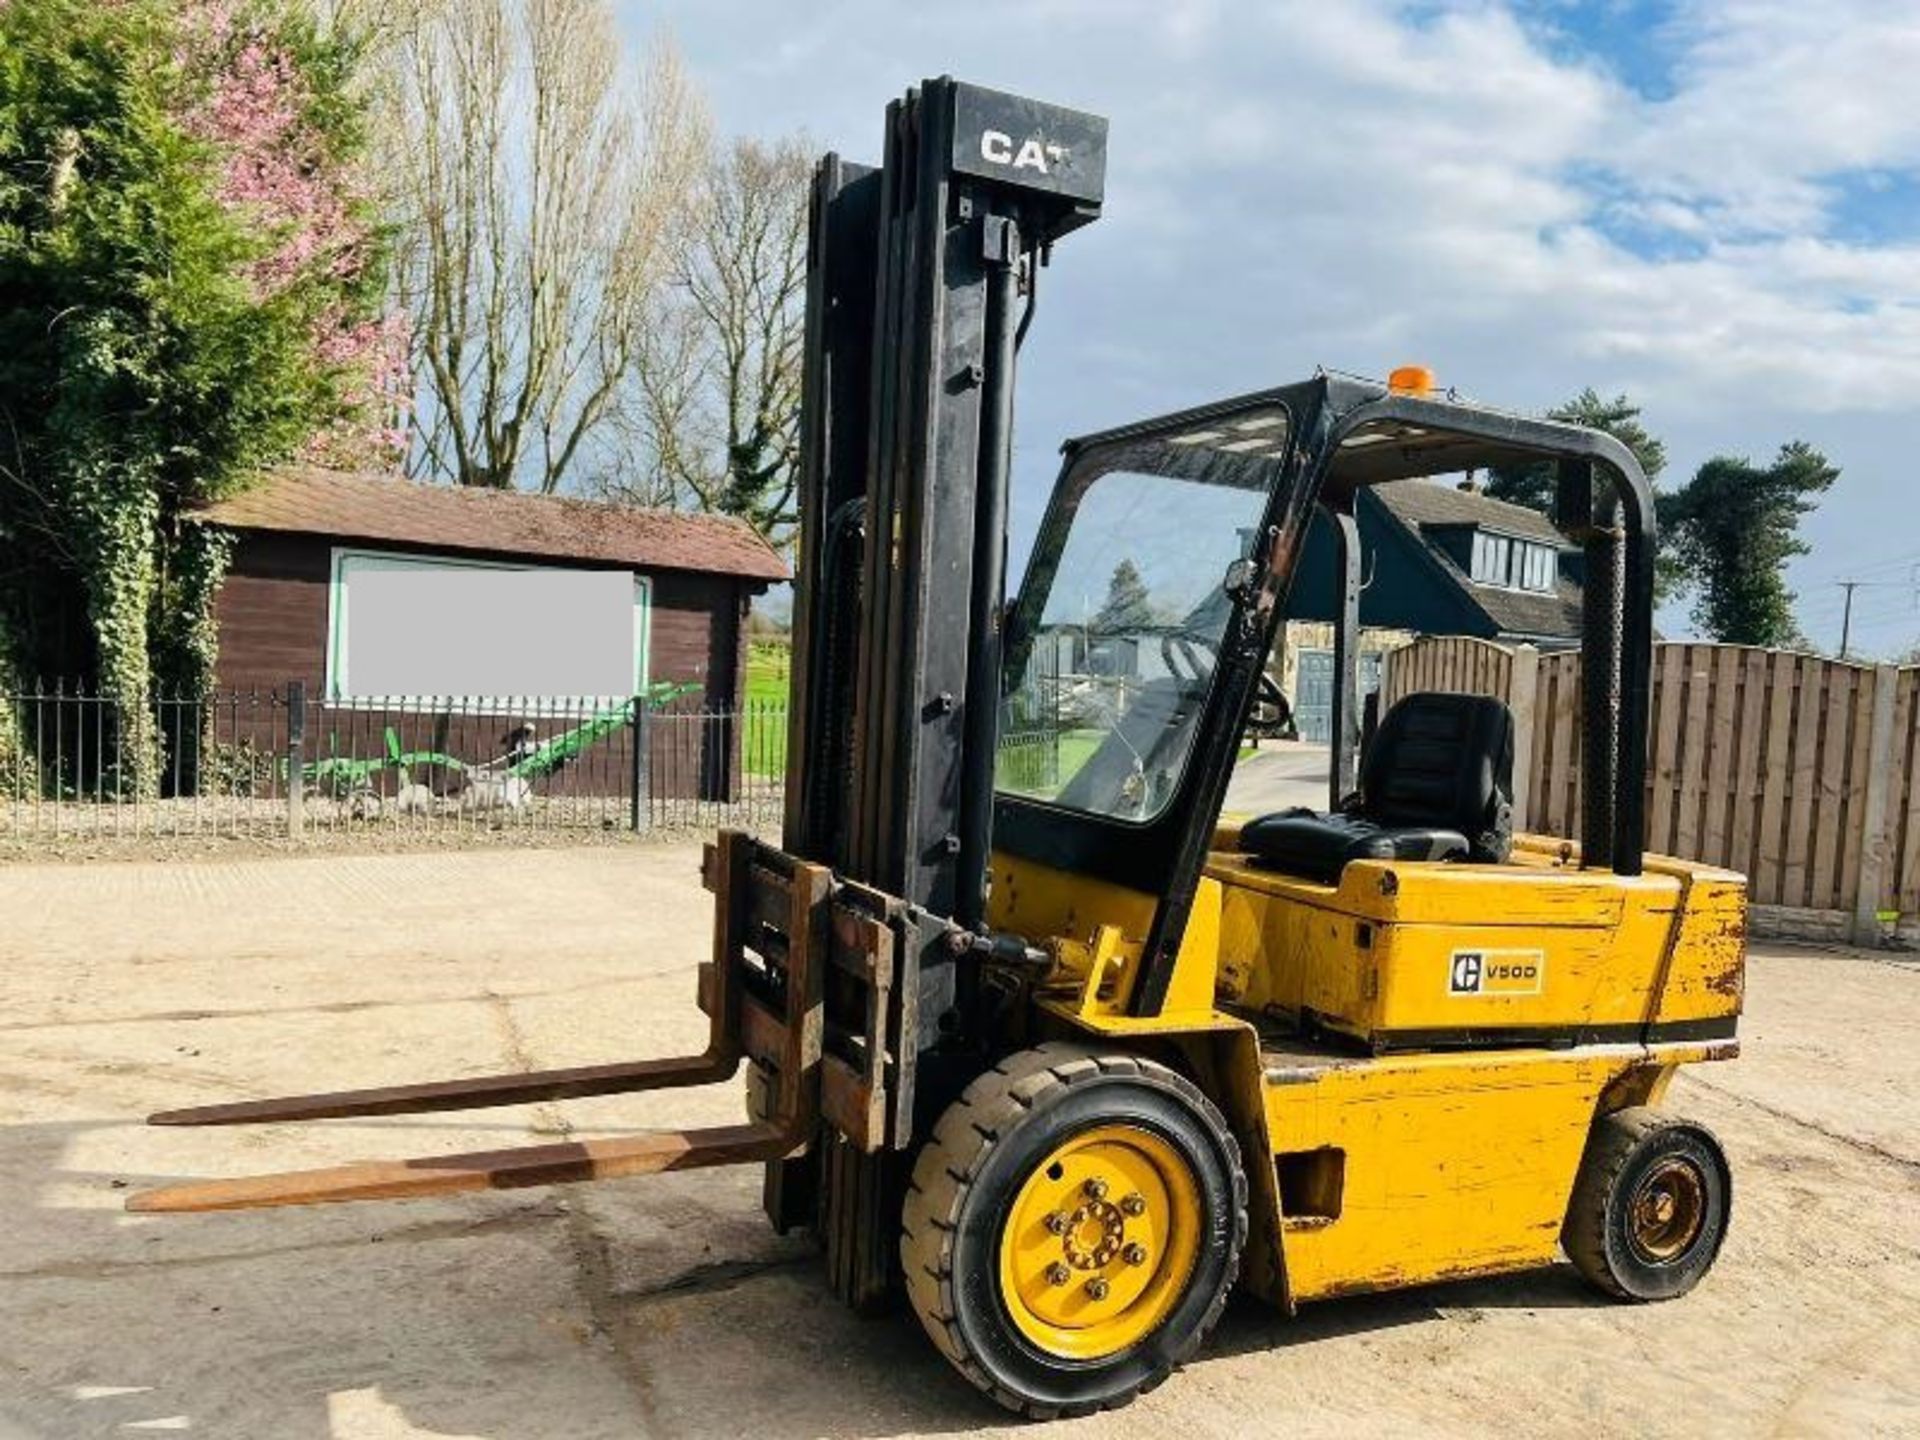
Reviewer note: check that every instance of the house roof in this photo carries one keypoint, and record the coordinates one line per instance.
(352, 506)
(1423, 504)
(1427, 502)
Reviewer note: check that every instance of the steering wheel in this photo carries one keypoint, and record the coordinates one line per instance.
(1175, 643)
(1271, 715)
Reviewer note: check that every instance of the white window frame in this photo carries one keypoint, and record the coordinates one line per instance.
(336, 677)
(1491, 560)
(1537, 568)
(1507, 562)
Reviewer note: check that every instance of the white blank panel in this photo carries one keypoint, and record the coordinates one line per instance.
(418, 627)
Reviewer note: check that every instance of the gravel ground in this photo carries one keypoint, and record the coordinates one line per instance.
(665, 1306)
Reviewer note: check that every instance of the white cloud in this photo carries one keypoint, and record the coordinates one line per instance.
(1445, 171)
(1367, 183)
(1774, 94)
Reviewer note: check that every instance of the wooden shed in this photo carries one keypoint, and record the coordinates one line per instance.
(384, 596)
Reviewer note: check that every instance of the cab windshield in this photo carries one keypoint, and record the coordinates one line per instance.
(1119, 629)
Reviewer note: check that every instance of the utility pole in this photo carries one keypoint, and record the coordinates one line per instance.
(1846, 614)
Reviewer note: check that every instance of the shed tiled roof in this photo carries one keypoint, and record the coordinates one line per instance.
(505, 522)
(1424, 504)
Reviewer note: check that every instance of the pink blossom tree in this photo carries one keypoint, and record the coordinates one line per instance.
(192, 288)
(291, 164)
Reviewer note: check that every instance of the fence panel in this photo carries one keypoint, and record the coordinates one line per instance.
(1665, 728)
(1749, 762)
(229, 764)
(1850, 776)
(1556, 750)
(1454, 662)
(1776, 773)
(1757, 760)
(73, 767)
(1902, 891)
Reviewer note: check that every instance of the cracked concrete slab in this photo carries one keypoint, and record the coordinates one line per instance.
(666, 1306)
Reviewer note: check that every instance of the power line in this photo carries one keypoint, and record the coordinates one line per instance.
(1828, 606)
(1846, 609)
(1881, 604)
(1909, 563)
(1868, 621)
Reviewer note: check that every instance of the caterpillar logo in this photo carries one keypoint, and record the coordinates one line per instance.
(1014, 141)
(1031, 153)
(1497, 972)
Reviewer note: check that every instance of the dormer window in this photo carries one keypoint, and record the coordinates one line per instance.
(1536, 567)
(1511, 564)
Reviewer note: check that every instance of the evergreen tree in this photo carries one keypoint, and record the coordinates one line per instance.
(1730, 533)
(189, 289)
(1128, 606)
(1532, 485)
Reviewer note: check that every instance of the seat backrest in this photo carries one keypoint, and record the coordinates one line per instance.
(1444, 761)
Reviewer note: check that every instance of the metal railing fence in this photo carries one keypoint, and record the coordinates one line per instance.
(282, 763)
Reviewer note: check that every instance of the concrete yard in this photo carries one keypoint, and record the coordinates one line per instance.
(665, 1306)
(1279, 775)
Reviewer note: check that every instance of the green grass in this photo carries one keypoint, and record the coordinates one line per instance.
(1076, 748)
(1031, 771)
(769, 670)
(769, 685)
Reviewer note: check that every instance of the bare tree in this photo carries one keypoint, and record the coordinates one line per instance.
(718, 381)
(540, 186)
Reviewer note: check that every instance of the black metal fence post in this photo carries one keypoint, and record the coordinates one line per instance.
(642, 767)
(296, 743)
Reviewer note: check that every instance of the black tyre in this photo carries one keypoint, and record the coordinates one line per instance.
(1073, 1227)
(1650, 1205)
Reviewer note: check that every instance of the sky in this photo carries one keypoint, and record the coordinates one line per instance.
(1714, 207)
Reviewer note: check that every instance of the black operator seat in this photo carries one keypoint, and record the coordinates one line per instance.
(1435, 784)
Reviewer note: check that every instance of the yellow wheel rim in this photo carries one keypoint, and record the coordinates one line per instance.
(1100, 1242)
(1668, 1211)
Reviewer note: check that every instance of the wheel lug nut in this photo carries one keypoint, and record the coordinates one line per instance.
(1096, 1189)
(1096, 1289)
(1056, 1223)
(1134, 1254)
(1134, 1205)
(1058, 1274)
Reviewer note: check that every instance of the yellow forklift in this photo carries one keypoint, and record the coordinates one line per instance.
(1033, 1035)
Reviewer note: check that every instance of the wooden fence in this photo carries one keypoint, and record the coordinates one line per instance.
(1801, 772)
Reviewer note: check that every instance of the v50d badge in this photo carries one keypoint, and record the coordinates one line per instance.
(1497, 972)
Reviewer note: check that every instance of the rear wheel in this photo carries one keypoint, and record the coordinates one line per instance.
(1073, 1228)
(1650, 1206)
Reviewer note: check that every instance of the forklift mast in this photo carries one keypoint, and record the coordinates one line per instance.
(914, 319)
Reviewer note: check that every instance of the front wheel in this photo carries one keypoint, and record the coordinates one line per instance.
(1073, 1228)
(1650, 1205)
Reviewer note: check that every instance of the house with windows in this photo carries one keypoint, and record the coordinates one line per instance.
(381, 596)
(1437, 559)
(1471, 565)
